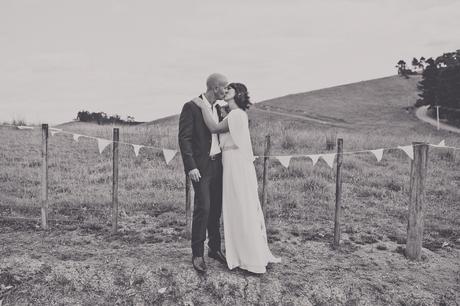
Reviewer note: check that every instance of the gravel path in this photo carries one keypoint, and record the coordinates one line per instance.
(421, 114)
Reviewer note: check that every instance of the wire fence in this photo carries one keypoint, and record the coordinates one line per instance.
(416, 151)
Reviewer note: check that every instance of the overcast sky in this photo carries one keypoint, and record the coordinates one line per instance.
(146, 58)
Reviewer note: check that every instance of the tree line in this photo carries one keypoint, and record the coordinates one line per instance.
(103, 118)
(417, 64)
(440, 84)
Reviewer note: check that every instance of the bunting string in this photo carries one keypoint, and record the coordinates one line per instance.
(169, 154)
(102, 143)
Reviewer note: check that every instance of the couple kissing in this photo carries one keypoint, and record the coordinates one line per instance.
(216, 149)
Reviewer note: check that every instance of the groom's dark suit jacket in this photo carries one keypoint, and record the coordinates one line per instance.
(194, 138)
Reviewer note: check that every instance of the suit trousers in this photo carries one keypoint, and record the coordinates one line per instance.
(207, 208)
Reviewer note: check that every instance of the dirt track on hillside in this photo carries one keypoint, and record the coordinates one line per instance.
(301, 117)
(421, 114)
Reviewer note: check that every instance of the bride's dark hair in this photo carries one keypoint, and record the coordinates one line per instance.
(241, 95)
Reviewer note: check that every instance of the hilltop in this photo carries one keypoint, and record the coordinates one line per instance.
(352, 106)
(366, 103)
(363, 104)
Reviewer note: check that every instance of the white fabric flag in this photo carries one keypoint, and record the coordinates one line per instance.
(76, 136)
(102, 144)
(329, 159)
(378, 154)
(442, 144)
(24, 127)
(284, 160)
(162, 290)
(136, 149)
(314, 158)
(169, 155)
(409, 150)
(54, 132)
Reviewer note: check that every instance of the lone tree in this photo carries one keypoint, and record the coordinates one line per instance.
(402, 68)
(421, 63)
(415, 63)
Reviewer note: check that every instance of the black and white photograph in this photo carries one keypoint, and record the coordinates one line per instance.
(260, 152)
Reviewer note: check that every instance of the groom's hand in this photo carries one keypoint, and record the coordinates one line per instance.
(194, 175)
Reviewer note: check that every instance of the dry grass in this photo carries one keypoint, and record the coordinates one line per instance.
(80, 178)
(301, 198)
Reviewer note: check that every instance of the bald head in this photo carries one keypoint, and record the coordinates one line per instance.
(216, 87)
(216, 80)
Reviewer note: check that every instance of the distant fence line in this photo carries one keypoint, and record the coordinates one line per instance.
(419, 161)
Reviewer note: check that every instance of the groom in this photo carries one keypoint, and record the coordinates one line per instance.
(203, 163)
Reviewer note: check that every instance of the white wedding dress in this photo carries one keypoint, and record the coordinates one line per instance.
(246, 243)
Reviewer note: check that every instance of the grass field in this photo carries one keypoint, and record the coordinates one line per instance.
(79, 262)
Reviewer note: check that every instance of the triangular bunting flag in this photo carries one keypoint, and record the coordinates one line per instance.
(284, 160)
(442, 144)
(329, 159)
(136, 149)
(314, 158)
(24, 127)
(378, 154)
(409, 150)
(102, 144)
(169, 155)
(76, 136)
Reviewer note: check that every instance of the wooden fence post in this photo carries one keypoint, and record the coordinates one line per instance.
(116, 138)
(416, 198)
(338, 193)
(437, 117)
(188, 206)
(44, 191)
(265, 176)
(331, 138)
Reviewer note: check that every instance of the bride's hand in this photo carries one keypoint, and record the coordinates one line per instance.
(199, 102)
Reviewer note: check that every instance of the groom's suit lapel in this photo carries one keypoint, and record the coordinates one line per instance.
(204, 127)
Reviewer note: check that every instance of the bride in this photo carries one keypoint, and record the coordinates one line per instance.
(245, 235)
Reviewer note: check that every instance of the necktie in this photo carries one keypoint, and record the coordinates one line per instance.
(212, 111)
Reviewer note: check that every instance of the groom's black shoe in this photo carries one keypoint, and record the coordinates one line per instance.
(219, 256)
(199, 264)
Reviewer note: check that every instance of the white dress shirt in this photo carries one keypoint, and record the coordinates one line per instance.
(215, 148)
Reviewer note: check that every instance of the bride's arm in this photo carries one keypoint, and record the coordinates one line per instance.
(213, 127)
